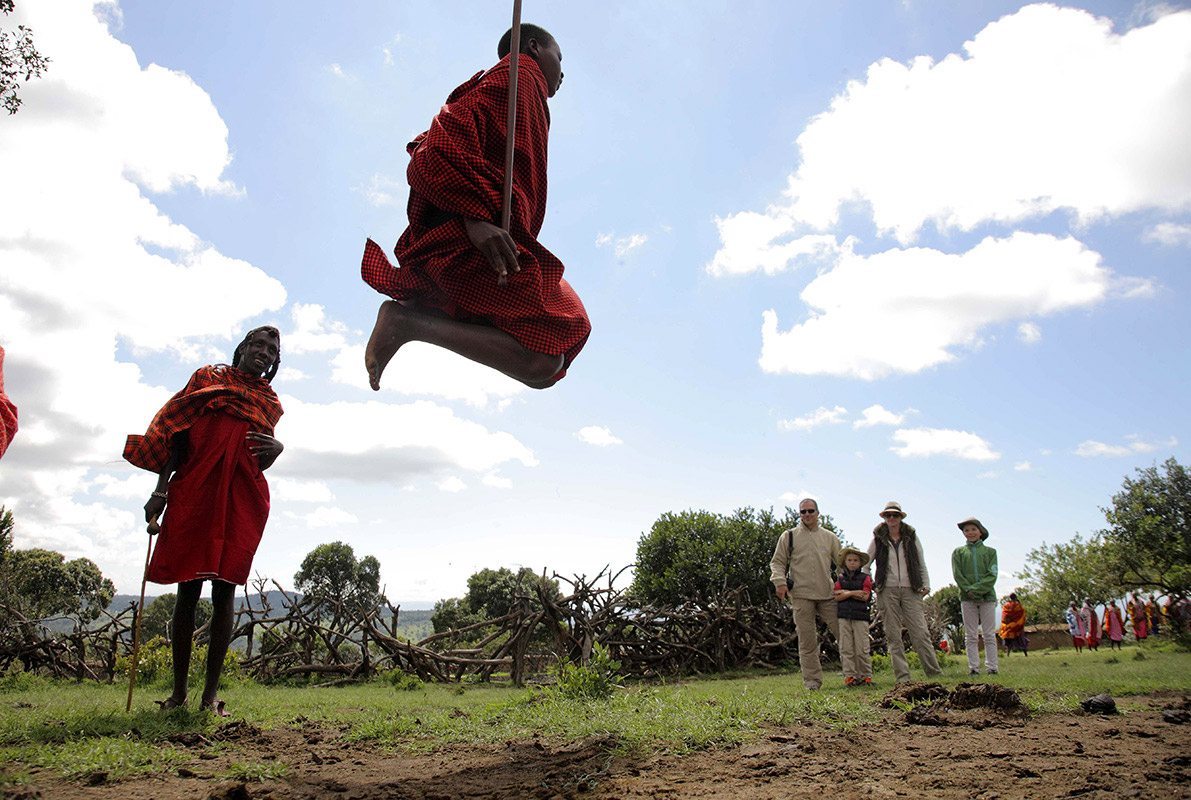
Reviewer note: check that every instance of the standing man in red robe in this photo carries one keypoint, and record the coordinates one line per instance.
(495, 297)
(210, 444)
(8, 412)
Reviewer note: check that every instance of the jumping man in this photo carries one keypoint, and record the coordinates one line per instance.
(495, 297)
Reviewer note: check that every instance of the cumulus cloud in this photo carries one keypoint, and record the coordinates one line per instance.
(623, 245)
(1023, 466)
(451, 484)
(1169, 233)
(597, 435)
(312, 331)
(926, 442)
(820, 416)
(293, 490)
(1039, 113)
(942, 302)
(878, 415)
(1134, 445)
(422, 369)
(1029, 333)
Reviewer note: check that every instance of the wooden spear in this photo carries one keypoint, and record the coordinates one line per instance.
(152, 529)
(506, 214)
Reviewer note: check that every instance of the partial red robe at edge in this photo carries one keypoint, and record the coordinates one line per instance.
(218, 497)
(457, 169)
(8, 412)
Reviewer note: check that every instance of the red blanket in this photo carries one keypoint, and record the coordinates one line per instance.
(8, 412)
(457, 169)
(214, 388)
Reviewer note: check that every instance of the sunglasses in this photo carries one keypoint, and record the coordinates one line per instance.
(891, 515)
(807, 511)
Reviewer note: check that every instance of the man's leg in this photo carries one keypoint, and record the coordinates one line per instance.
(182, 638)
(222, 597)
(808, 643)
(920, 639)
(889, 602)
(398, 324)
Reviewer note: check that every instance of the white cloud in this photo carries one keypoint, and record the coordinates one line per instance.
(820, 416)
(925, 442)
(989, 475)
(325, 517)
(1023, 466)
(1169, 233)
(903, 311)
(132, 487)
(497, 481)
(312, 332)
(878, 415)
(423, 369)
(597, 435)
(1039, 114)
(292, 490)
(338, 71)
(451, 484)
(1029, 333)
(1134, 445)
(621, 246)
(382, 190)
(290, 375)
(751, 242)
(794, 498)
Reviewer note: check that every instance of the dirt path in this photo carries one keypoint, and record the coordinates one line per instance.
(967, 753)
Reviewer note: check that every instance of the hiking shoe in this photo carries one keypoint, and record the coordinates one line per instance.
(973, 672)
(849, 681)
(867, 681)
(992, 672)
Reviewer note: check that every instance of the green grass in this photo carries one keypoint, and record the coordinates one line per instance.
(76, 730)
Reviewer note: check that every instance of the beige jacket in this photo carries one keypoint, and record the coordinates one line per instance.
(814, 553)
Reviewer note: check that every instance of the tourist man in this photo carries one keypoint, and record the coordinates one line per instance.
(806, 554)
(902, 582)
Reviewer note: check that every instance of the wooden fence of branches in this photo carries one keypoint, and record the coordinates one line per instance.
(339, 640)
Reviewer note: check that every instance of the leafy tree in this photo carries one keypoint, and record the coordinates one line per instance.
(490, 593)
(331, 573)
(42, 583)
(1054, 575)
(159, 613)
(1149, 533)
(948, 601)
(6, 526)
(18, 57)
(696, 555)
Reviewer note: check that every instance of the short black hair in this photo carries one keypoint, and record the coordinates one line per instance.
(276, 334)
(528, 32)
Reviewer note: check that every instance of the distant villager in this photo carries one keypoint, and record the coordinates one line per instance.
(1075, 625)
(1013, 626)
(1137, 618)
(1091, 623)
(1114, 625)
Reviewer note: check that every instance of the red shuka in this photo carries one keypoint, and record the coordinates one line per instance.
(456, 170)
(8, 412)
(218, 497)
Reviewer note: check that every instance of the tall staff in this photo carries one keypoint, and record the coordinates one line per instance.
(506, 213)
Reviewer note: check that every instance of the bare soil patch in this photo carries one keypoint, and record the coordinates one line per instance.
(977, 743)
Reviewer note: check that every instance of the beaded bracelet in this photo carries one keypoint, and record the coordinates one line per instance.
(162, 495)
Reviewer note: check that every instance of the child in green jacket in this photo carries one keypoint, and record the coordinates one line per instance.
(975, 569)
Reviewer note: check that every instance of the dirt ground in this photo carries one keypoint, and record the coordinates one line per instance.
(974, 745)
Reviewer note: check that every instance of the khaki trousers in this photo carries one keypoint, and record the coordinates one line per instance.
(902, 609)
(853, 648)
(805, 612)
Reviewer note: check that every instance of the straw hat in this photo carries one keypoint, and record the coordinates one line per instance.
(893, 505)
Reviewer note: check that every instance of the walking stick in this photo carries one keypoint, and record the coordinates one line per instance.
(152, 529)
(506, 213)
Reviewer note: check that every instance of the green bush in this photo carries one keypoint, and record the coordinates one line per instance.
(595, 680)
(20, 682)
(155, 664)
(402, 681)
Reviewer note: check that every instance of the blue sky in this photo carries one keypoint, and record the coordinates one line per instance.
(922, 251)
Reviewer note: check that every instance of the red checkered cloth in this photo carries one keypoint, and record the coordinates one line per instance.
(8, 412)
(215, 388)
(456, 170)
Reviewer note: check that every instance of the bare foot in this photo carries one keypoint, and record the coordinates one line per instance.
(385, 340)
(170, 703)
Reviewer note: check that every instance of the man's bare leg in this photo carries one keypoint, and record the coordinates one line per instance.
(397, 324)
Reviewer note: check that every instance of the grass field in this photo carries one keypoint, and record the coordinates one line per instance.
(78, 729)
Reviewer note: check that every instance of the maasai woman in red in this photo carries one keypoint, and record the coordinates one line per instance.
(210, 444)
(495, 297)
(1137, 618)
(1013, 625)
(1114, 625)
(8, 412)
(1092, 623)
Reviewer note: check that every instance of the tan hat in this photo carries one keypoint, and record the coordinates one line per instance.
(976, 522)
(893, 505)
(850, 551)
